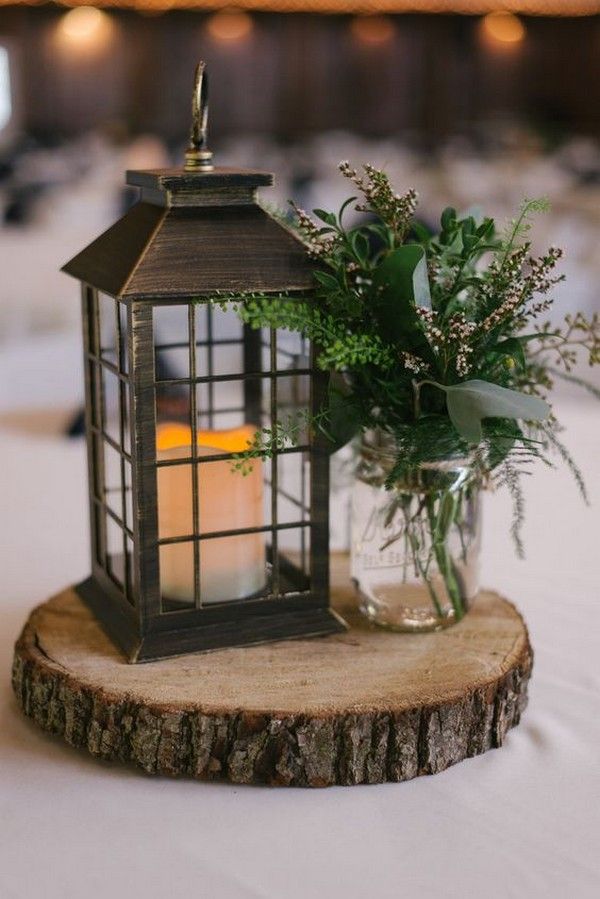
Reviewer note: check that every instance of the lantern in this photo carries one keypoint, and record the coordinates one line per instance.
(189, 553)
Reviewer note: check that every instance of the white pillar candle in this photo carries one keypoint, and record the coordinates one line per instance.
(230, 567)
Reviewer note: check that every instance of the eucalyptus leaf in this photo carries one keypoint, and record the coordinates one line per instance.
(401, 284)
(404, 271)
(472, 401)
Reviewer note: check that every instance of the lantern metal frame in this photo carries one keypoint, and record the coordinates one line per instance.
(194, 232)
(133, 612)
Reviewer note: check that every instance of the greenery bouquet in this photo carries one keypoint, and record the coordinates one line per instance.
(437, 342)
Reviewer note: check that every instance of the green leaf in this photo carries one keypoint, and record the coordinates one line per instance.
(526, 338)
(448, 218)
(502, 434)
(327, 280)
(404, 271)
(344, 419)
(344, 206)
(421, 232)
(327, 217)
(401, 284)
(456, 246)
(486, 229)
(513, 348)
(468, 226)
(472, 401)
(360, 246)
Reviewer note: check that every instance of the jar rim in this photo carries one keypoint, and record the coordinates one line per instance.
(386, 452)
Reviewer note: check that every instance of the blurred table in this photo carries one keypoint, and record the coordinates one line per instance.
(520, 821)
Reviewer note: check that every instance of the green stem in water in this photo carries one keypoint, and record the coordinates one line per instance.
(423, 572)
(440, 523)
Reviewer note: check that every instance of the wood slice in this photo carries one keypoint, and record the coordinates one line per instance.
(363, 707)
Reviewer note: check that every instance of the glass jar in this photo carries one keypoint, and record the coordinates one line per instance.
(415, 545)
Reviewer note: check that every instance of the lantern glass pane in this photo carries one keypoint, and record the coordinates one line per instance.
(172, 363)
(124, 398)
(292, 496)
(224, 324)
(112, 480)
(115, 558)
(129, 585)
(175, 491)
(225, 406)
(225, 535)
(171, 343)
(219, 341)
(232, 568)
(293, 403)
(95, 407)
(171, 325)
(230, 500)
(97, 465)
(228, 358)
(266, 467)
(172, 409)
(294, 559)
(98, 545)
(128, 493)
(292, 351)
(123, 339)
(110, 405)
(205, 405)
(176, 562)
(107, 311)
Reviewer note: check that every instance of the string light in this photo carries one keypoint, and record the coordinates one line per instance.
(229, 26)
(84, 29)
(373, 30)
(503, 28)
(569, 8)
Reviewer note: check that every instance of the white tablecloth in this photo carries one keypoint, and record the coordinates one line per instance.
(523, 821)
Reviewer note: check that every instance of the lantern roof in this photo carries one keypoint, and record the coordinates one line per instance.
(194, 233)
(195, 230)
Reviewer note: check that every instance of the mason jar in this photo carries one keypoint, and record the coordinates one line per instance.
(415, 540)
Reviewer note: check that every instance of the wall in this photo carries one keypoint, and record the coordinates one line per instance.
(298, 74)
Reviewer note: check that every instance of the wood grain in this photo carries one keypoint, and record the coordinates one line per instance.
(362, 707)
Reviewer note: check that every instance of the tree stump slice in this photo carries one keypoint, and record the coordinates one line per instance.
(363, 707)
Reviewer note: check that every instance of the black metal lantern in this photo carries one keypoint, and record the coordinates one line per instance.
(188, 554)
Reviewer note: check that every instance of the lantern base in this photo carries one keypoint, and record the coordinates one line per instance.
(361, 707)
(265, 625)
(248, 632)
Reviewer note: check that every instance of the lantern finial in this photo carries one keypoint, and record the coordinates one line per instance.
(198, 158)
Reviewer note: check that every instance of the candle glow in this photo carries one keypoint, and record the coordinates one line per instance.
(230, 567)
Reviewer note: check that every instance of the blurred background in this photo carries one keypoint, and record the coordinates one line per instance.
(474, 103)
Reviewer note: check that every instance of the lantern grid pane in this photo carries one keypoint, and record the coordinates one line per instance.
(209, 362)
(194, 471)
(275, 572)
(109, 442)
(293, 574)
(250, 396)
(106, 332)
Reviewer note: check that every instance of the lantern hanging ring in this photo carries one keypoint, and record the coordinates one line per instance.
(198, 158)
